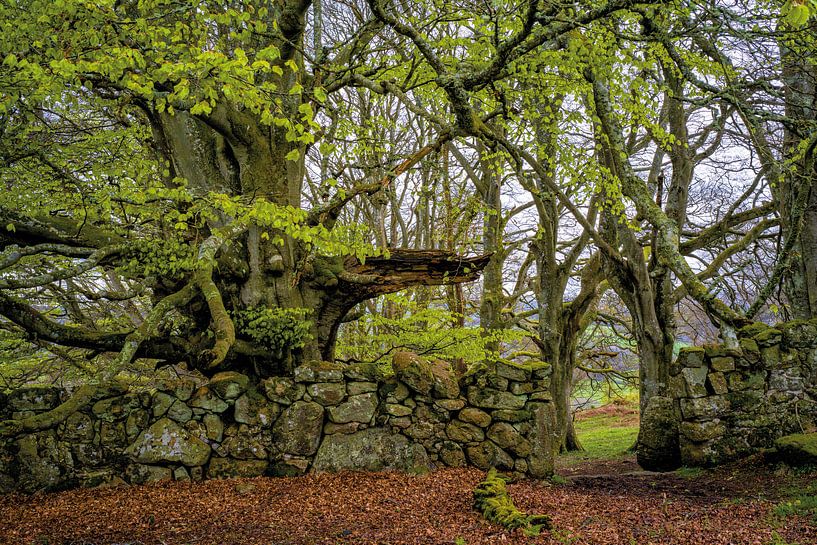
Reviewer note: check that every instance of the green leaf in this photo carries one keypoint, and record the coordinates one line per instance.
(320, 94)
(293, 155)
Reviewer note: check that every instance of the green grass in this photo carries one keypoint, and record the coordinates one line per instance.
(689, 472)
(603, 437)
(800, 505)
(802, 502)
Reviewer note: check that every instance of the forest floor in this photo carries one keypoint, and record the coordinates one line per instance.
(594, 500)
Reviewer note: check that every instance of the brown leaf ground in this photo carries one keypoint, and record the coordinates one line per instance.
(729, 506)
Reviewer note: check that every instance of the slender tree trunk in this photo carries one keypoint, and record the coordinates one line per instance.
(492, 236)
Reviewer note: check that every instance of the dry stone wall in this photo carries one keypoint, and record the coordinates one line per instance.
(324, 418)
(731, 402)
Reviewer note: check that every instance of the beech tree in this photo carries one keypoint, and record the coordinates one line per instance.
(160, 145)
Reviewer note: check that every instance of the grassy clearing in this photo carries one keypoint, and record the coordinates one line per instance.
(606, 433)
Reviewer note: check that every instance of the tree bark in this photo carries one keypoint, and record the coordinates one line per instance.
(800, 91)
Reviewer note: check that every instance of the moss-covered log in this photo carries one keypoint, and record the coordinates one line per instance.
(491, 498)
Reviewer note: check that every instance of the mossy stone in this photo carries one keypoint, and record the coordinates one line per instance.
(747, 381)
(113, 434)
(658, 448)
(205, 399)
(506, 415)
(691, 356)
(544, 444)
(463, 432)
(798, 448)
(703, 407)
(450, 404)
(715, 351)
(723, 364)
(414, 371)
(319, 371)
(290, 467)
(695, 381)
(283, 390)
(166, 441)
(513, 372)
(183, 389)
(350, 427)
(160, 403)
(702, 431)
(213, 426)
(180, 412)
(800, 334)
(253, 408)
(489, 398)
(444, 379)
(745, 400)
(451, 454)
(768, 337)
(298, 430)
(34, 398)
(372, 449)
(368, 372)
(228, 385)
(115, 408)
(327, 393)
(488, 454)
(229, 468)
(475, 416)
(395, 409)
(359, 408)
(750, 349)
(507, 437)
(77, 428)
(518, 388)
(753, 329)
(357, 387)
(717, 383)
(244, 446)
(144, 474)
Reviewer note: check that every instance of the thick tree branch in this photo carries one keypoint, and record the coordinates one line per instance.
(14, 253)
(405, 268)
(23, 230)
(17, 282)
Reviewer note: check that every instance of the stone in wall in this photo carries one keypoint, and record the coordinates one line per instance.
(298, 430)
(166, 441)
(658, 447)
(414, 371)
(372, 449)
